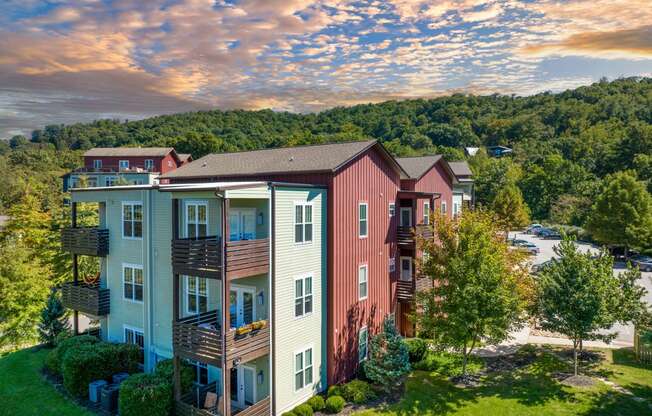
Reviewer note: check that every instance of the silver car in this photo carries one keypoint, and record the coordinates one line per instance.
(644, 263)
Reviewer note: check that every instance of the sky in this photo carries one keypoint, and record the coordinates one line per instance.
(82, 60)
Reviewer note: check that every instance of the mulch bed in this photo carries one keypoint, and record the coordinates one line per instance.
(579, 381)
(57, 383)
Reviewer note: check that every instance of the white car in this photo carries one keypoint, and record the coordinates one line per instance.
(532, 227)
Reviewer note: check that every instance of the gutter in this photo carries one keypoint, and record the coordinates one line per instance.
(272, 298)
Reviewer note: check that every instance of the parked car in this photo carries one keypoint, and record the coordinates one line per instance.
(644, 263)
(539, 230)
(528, 246)
(537, 268)
(532, 227)
(548, 234)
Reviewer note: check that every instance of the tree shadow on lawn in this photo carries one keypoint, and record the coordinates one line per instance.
(626, 372)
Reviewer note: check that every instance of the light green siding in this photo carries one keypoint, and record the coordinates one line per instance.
(293, 260)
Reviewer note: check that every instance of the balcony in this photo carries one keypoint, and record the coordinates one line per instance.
(200, 257)
(199, 338)
(248, 346)
(247, 258)
(405, 290)
(88, 299)
(192, 404)
(89, 241)
(405, 236)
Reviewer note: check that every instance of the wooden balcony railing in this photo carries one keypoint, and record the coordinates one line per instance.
(89, 241)
(199, 338)
(260, 408)
(405, 289)
(406, 235)
(88, 299)
(247, 258)
(247, 347)
(192, 403)
(200, 257)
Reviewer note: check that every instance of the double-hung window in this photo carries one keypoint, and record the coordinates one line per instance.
(123, 164)
(362, 281)
(132, 277)
(363, 219)
(111, 180)
(196, 219)
(443, 207)
(302, 369)
(135, 336)
(149, 164)
(132, 220)
(303, 296)
(392, 209)
(392, 264)
(302, 223)
(363, 338)
(196, 295)
(426, 212)
(97, 163)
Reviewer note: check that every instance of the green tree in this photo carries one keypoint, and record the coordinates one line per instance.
(389, 361)
(579, 296)
(481, 286)
(53, 319)
(510, 209)
(622, 213)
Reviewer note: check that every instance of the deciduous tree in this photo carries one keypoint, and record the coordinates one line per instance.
(510, 209)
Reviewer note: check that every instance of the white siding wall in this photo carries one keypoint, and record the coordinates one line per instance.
(293, 260)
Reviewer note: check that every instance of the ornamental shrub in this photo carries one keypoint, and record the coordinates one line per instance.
(389, 361)
(358, 392)
(54, 362)
(317, 403)
(165, 370)
(289, 413)
(303, 410)
(334, 404)
(417, 348)
(145, 394)
(334, 390)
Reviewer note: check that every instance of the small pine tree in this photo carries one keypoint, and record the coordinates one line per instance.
(389, 361)
(53, 319)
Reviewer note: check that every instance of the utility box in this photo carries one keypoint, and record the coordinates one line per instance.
(109, 401)
(119, 378)
(95, 390)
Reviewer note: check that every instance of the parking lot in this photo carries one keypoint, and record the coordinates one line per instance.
(625, 332)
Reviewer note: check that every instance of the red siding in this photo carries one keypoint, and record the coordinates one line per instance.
(161, 164)
(436, 180)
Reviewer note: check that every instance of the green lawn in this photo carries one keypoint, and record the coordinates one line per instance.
(24, 392)
(527, 391)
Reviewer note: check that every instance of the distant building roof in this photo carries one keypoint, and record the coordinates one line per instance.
(129, 151)
(461, 169)
(471, 151)
(313, 158)
(184, 157)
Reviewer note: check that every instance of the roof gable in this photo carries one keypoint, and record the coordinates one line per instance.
(418, 166)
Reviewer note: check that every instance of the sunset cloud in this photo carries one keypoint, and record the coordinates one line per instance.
(79, 60)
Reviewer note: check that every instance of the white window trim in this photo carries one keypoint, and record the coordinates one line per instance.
(401, 269)
(113, 180)
(151, 164)
(195, 202)
(97, 165)
(303, 296)
(391, 209)
(392, 262)
(294, 367)
(366, 205)
(254, 294)
(134, 330)
(366, 331)
(401, 210)
(426, 213)
(132, 266)
(366, 267)
(122, 220)
(186, 293)
(303, 229)
(120, 162)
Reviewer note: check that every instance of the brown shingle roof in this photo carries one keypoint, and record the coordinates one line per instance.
(461, 169)
(128, 151)
(184, 156)
(416, 167)
(314, 158)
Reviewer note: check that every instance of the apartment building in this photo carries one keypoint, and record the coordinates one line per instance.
(111, 166)
(291, 251)
(463, 190)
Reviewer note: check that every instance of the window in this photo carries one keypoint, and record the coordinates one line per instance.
(97, 164)
(302, 369)
(363, 223)
(132, 220)
(443, 207)
(406, 268)
(92, 182)
(111, 180)
(196, 219)
(302, 223)
(123, 164)
(457, 208)
(132, 278)
(149, 164)
(392, 264)
(362, 282)
(426, 212)
(201, 372)
(303, 296)
(196, 295)
(392, 209)
(363, 336)
(136, 337)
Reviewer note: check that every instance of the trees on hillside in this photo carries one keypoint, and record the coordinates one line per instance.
(580, 297)
(481, 288)
(622, 212)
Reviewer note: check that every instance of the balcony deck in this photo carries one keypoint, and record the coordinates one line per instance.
(247, 258)
(246, 347)
(405, 290)
(191, 405)
(406, 236)
(199, 338)
(201, 257)
(88, 299)
(89, 241)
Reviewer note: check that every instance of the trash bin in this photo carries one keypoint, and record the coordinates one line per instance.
(119, 378)
(109, 401)
(95, 390)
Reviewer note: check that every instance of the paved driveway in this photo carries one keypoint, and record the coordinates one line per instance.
(625, 332)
